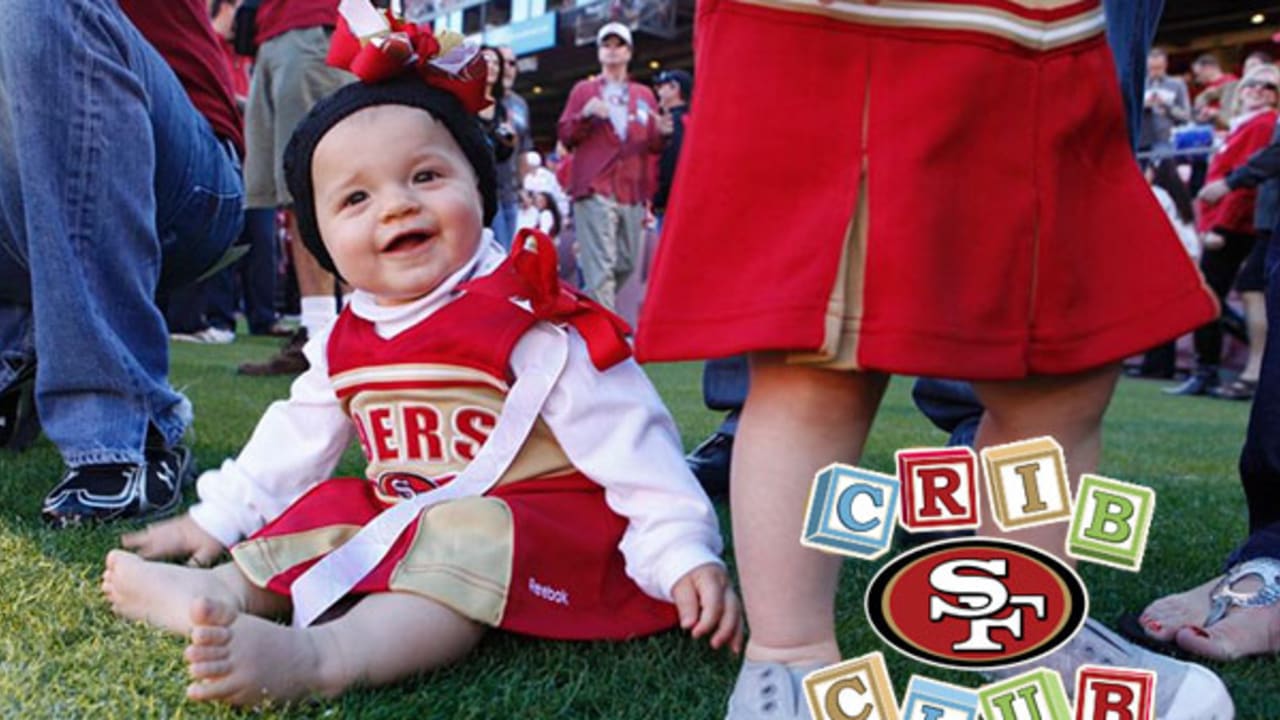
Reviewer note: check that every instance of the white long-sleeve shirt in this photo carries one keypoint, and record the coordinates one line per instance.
(612, 426)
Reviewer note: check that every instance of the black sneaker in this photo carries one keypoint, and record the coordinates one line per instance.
(19, 425)
(710, 463)
(101, 493)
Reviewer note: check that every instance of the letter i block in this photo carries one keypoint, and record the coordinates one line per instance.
(1111, 522)
(929, 699)
(857, 688)
(939, 488)
(851, 512)
(1027, 483)
(1035, 695)
(1108, 693)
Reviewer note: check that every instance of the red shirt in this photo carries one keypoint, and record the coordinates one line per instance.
(277, 17)
(241, 66)
(603, 164)
(183, 34)
(1235, 211)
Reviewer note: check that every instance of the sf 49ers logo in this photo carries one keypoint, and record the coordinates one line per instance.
(405, 484)
(976, 603)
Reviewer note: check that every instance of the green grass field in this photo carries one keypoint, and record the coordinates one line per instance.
(64, 655)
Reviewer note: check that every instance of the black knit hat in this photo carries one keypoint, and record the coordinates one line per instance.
(409, 90)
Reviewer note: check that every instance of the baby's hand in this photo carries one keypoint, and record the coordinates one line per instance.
(177, 537)
(705, 601)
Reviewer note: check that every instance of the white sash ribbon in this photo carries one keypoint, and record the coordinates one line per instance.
(333, 577)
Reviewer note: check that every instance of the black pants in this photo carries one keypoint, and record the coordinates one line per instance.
(1220, 268)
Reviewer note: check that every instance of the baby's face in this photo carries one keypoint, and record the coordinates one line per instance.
(396, 201)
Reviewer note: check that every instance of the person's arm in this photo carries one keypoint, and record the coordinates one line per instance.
(614, 428)
(576, 123)
(296, 444)
(1261, 166)
(1180, 109)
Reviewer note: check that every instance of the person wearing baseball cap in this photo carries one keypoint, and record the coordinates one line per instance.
(613, 127)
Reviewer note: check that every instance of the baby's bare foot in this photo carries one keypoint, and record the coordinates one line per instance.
(158, 593)
(244, 660)
(1165, 617)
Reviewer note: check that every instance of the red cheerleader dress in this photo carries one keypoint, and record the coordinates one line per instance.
(935, 187)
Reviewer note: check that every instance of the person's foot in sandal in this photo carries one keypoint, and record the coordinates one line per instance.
(1248, 622)
(1163, 618)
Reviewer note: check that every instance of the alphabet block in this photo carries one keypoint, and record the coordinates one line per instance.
(939, 488)
(857, 689)
(929, 699)
(851, 512)
(1027, 483)
(1111, 523)
(1034, 695)
(1109, 693)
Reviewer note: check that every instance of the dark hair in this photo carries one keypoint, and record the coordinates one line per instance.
(1165, 175)
(497, 90)
(215, 6)
(555, 213)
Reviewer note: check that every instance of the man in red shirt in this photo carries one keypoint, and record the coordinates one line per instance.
(613, 127)
(119, 178)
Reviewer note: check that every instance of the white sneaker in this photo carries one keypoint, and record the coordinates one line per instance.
(769, 691)
(1184, 691)
(208, 336)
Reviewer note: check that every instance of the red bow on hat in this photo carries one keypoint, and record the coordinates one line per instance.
(408, 47)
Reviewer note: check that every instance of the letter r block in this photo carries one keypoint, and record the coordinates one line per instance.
(928, 699)
(939, 488)
(1034, 695)
(857, 689)
(1027, 483)
(1111, 523)
(1109, 693)
(851, 512)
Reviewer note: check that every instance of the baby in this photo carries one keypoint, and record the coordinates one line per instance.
(539, 479)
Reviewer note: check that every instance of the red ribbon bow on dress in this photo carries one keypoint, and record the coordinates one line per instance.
(401, 47)
(533, 274)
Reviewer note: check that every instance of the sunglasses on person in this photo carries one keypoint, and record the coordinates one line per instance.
(1260, 85)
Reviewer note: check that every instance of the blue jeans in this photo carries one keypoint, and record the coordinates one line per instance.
(256, 273)
(111, 186)
(504, 224)
(1131, 29)
(724, 387)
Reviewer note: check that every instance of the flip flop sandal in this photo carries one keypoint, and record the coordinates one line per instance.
(1223, 598)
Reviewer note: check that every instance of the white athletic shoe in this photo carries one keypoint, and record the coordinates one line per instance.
(769, 691)
(1184, 691)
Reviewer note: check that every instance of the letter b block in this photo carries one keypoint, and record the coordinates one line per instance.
(1111, 522)
(1035, 695)
(851, 512)
(1027, 483)
(1108, 693)
(939, 488)
(857, 689)
(928, 699)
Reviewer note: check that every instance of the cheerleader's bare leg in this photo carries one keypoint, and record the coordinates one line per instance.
(796, 420)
